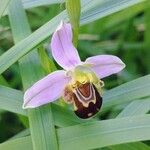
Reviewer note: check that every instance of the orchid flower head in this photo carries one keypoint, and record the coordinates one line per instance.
(79, 83)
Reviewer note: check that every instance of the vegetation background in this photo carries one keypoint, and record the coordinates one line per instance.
(115, 27)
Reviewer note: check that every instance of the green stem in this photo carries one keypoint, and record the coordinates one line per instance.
(74, 9)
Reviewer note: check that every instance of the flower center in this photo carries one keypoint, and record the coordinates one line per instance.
(81, 76)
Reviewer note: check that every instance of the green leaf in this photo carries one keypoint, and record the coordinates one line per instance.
(114, 19)
(37, 3)
(41, 120)
(104, 133)
(11, 100)
(21, 29)
(3, 81)
(42, 128)
(74, 9)
(23, 143)
(21, 134)
(135, 108)
(3, 6)
(87, 7)
(27, 4)
(131, 146)
(99, 9)
(99, 133)
(146, 51)
(129, 91)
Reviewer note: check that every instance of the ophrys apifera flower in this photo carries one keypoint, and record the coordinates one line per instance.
(79, 83)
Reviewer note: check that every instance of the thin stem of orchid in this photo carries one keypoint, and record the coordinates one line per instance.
(74, 9)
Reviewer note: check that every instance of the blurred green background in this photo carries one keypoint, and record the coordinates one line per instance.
(125, 34)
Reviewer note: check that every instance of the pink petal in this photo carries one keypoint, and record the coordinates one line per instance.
(46, 90)
(62, 47)
(105, 65)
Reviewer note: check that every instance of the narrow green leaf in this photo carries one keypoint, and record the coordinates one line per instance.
(3, 6)
(135, 108)
(41, 120)
(116, 18)
(99, 133)
(73, 9)
(23, 143)
(3, 81)
(24, 46)
(121, 4)
(99, 9)
(111, 46)
(131, 146)
(27, 4)
(146, 51)
(36, 3)
(135, 89)
(21, 29)
(21, 134)
(104, 133)
(42, 128)
(11, 100)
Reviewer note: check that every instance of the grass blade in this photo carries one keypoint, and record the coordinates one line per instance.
(27, 4)
(135, 108)
(73, 10)
(21, 134)
(3, 6)
(99, 9)
(3, 81)
(37, 3)
(99, 133)
(105, 133)
(23, 143)
(138, 88)
(146, 51)
(131, 146)
(11, 100)
(41, 120)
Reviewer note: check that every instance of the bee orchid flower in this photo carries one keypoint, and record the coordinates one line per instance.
(79, 83)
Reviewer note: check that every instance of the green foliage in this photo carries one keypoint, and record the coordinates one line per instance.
(43, 135)
(3, 6)
(119, 27)
(74, 9)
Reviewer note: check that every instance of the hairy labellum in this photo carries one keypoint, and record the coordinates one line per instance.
(86, 99)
